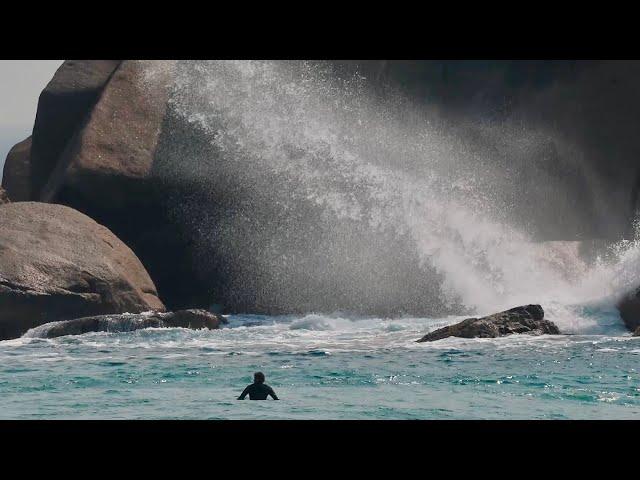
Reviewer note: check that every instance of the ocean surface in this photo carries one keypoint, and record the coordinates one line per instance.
(323, 367)
(318, 188)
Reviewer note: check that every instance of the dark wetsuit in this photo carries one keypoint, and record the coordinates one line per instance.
(258, 391)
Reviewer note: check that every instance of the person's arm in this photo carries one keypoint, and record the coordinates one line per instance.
(273, 394)
(244, 393)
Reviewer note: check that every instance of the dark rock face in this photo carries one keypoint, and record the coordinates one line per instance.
(629, 308)
(3, 197)
(56, 264)
(127, 322)
(62, 107)
(527, 319)
(17, 170)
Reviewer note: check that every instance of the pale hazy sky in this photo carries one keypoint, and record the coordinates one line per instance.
(21, 82)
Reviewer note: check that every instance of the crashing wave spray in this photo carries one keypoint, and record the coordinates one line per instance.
(314, 195)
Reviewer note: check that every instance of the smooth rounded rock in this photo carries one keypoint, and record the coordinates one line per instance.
(58, 264)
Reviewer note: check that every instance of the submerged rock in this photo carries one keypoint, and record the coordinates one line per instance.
(57, 264)
(527, 319)
(126, 322)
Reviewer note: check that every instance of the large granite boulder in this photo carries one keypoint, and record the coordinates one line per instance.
(114, 147)
(128, 322)
(17, 170)
(58, 264)
(62, 108)
(527, 319)
(107, 172)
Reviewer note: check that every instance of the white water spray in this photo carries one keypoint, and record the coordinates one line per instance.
(390, 166)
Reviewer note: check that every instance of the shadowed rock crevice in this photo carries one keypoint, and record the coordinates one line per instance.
(17, 171)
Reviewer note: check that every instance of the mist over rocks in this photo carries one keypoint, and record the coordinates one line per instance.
(56, 264)
(568, 132)
(528, 319)
(16, 173)
(112, 152)
(273, 187)
(257, 197)
(194, 319)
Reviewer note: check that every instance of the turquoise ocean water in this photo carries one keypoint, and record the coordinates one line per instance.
(322, 367)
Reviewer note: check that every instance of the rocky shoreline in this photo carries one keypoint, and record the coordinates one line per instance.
(83, 232)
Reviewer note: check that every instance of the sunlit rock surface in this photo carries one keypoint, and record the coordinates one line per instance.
(56, 263)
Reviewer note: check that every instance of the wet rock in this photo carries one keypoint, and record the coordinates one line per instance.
(527, 319)
(57, 264)
(629, 308)
(194, 318)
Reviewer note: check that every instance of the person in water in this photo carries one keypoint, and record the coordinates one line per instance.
(258, 390)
